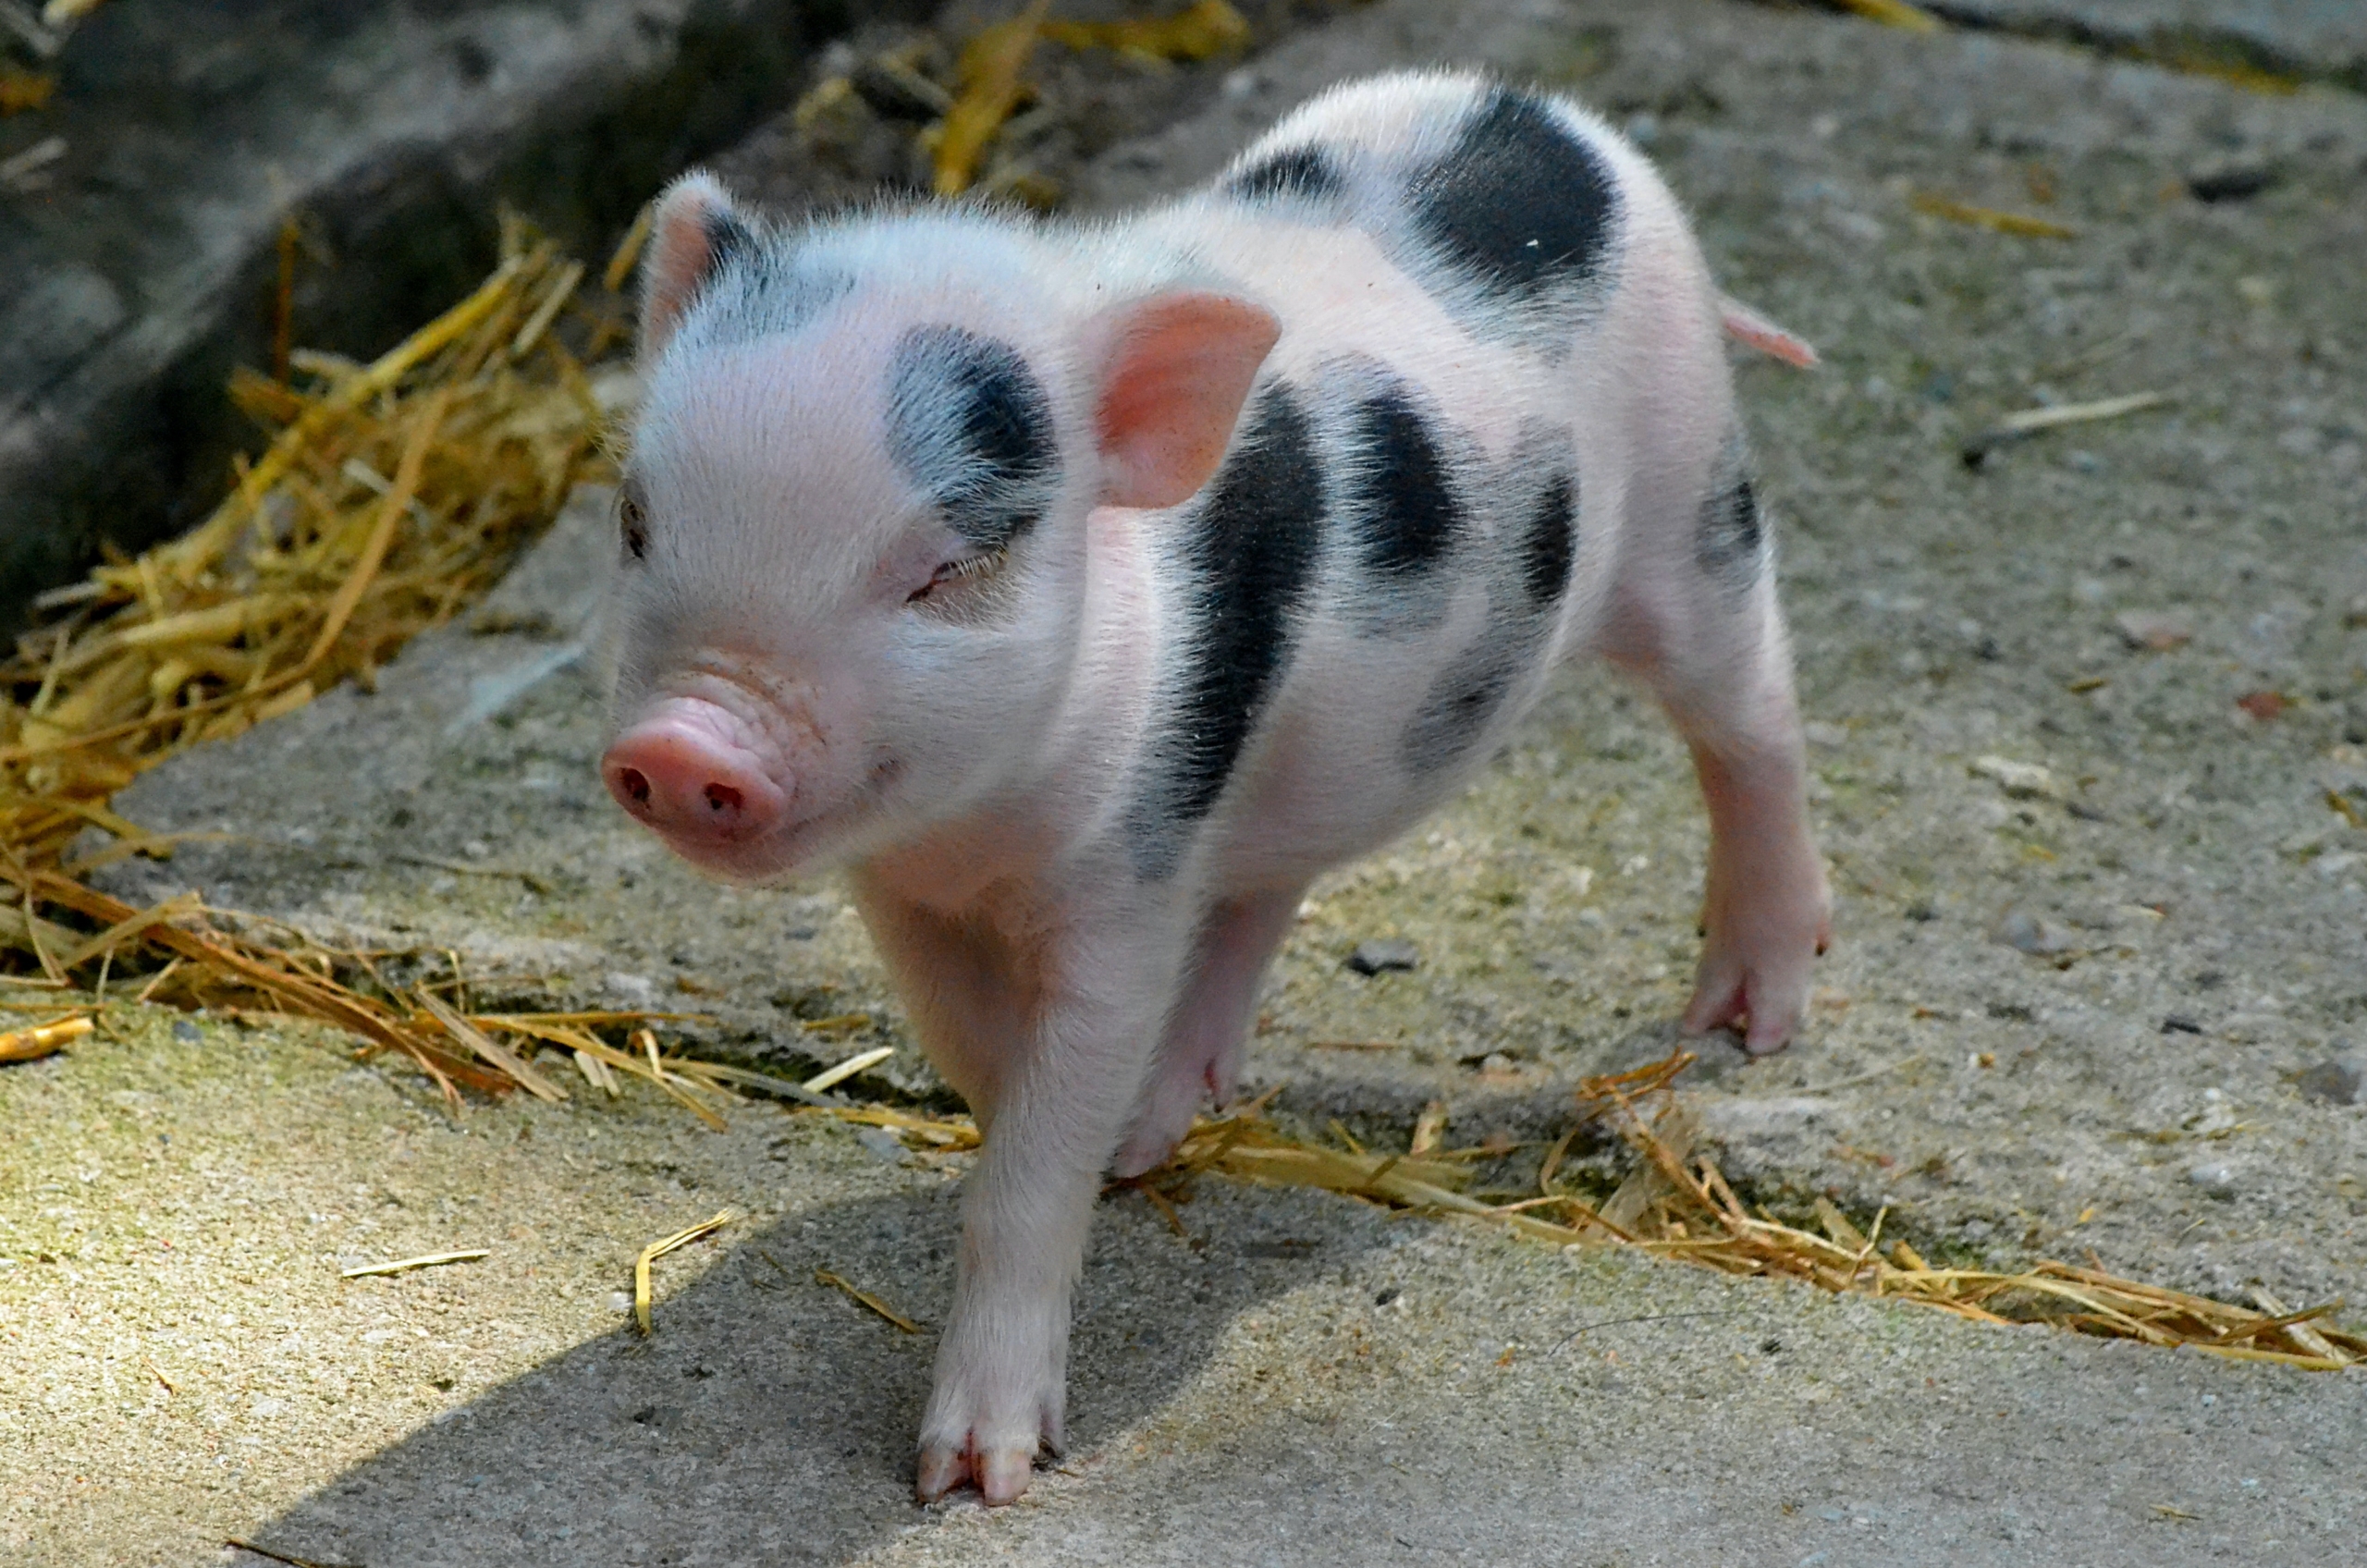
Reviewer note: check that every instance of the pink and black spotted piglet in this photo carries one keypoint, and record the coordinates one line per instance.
(1085, 591)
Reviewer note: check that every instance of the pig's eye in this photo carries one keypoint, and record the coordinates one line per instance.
(955, 572)
(633, 524)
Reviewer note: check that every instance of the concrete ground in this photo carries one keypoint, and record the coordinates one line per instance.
(2071, 1013)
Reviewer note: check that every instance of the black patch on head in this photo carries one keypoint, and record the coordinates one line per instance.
(729, 238)
(1405, 509)
(1521, 203)
(970, 423)
(1727, 537)
(1548, 542)
(1252, 549)
(1302, 172)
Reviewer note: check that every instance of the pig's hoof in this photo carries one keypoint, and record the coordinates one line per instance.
(1151, 1142)
(1170, 1101)
(986, 1422)
(1000, 1472)
(1765, 1006)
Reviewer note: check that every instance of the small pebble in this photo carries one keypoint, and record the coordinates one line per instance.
(1827, 736)
(1383, 953)
(2337, 1081)
(2231, 179)
(2219, 1181)
(2159, 631)
(880, 1142)
(2024, 932)
(188, 1034)
(2021, 781)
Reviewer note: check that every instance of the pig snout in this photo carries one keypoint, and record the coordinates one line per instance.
(694, 773)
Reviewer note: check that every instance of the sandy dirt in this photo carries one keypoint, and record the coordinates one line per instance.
(2071, 1012)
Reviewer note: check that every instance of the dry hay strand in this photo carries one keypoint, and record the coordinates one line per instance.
(392, 496)
(658, 1249)
(1676, 1203)
(990, 75)
(864, 1299)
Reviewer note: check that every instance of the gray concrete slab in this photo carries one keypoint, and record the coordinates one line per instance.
(2314, 38)
(2188, 921)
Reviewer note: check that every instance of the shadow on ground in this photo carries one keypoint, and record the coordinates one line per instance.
(744, 1430)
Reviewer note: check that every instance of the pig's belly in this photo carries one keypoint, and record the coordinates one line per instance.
(1347, 760)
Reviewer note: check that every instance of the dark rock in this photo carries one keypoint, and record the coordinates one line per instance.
(143, 269)
(1387, 952)
(2236, 180)
(2336, 1080)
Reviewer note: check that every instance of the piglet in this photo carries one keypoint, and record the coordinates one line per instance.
(1087, 589)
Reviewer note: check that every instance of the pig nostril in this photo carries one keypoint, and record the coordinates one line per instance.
(635, 783)
(722, 798)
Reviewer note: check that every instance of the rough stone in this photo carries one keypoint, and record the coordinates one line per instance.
(2318, 40)
(2336, 1080)
(1383, 953)
(140, 271)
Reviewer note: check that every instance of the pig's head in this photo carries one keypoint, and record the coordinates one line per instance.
(854, 523)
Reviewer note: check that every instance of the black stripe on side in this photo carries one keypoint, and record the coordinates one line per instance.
(1549, 542)
(1729, 540)
(1253, 549)
(1406, 511)
(1521, 203)
(972, 427)
(1466, 696)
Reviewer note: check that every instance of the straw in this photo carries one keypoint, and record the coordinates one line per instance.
(424, 1260)
(865, 1298)
(41, 1039)
(1676, 1203)
(658, 1249)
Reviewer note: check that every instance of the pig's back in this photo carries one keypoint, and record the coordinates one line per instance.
(1494, 320)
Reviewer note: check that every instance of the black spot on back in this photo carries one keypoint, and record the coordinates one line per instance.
(1304, 172)
(1520, 204)
(970, 425)
(1728, 536)
(1407, 513)
(1549, 542)
(1253, 549)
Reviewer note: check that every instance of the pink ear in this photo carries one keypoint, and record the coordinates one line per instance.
(1181, 367)
(695, 227)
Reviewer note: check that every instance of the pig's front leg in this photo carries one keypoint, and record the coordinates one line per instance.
(1092, 991)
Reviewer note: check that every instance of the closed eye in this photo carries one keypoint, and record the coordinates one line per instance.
(959, 571)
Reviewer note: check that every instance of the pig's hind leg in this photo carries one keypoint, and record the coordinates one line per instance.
(1695, 614)
(1199, 1056)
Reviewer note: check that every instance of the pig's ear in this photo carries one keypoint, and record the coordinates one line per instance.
(694, 229)
(1178, 369)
